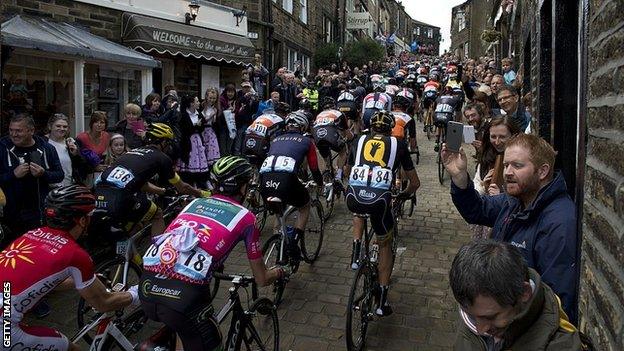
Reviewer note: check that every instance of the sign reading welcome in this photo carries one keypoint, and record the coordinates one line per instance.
(191, 42)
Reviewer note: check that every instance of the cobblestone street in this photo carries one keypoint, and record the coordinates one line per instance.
(312, 315)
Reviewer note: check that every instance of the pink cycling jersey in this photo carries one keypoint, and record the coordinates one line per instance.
(201, 238)
(37, 262)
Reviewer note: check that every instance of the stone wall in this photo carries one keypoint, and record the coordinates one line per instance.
(602, 276)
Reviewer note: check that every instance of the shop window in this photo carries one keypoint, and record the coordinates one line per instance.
(108, 88)
(39, 86)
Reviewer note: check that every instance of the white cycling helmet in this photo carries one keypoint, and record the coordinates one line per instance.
(298, 119)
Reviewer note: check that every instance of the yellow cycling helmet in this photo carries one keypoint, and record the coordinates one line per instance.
(158, 131)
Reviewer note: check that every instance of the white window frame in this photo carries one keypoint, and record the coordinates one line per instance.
(305, 61)
(429, 32)
(418, 31)
(303, 15)
(327, 26)
(287, 5)
(461, 21)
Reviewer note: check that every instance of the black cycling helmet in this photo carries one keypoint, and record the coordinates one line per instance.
(328, 101)
(382, 122)
(157, 132)
(402, 102)
(67, 203)
(282, 108)
(229, 173)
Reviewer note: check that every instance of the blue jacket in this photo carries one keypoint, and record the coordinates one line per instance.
(545, 232)
(14, 188)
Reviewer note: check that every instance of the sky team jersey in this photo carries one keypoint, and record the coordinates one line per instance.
(265, 125)
(331, 117)
(132, 170)
(287, 153)
(378, 101)
(37, 262)
(403, 124)
(200, 239)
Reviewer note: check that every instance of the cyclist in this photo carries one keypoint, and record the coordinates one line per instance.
(404, 126)
(430, 94)
(447, 105)
(278, 173)
(331, 132)
(121, 189)
(259, 134)
(347, 105)
(376, 101)
(372, 167)
(179, 264)
(49, 258)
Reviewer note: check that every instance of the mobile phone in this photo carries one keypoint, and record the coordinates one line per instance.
(35, 157)
(454, 136)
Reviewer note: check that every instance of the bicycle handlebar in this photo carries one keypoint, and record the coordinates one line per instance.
(239, 280)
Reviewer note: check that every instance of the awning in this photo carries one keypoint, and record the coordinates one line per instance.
(152, 34)
(45, 35)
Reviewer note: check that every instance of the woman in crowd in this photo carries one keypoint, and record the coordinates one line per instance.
(211, 109)
(96, 139)
(151, 109)
(227, 100)
(132, 127)
(74, 166)
(193, 164)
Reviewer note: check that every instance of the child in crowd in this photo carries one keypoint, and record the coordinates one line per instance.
(116, 147)
(508, 72)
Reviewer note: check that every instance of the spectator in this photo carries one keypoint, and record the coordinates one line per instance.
(96, 139)
(279, 78)
(116, 147)
(505, 305)
(510, 104)
(289, 93)
(246, 107)
(473, 113)
(75, 167)
(535, 213)
(227, 99)
(258, 76)
(211, 109)
(28, 165)
(268, 105)
(132, 127)
(508, 73)
(193, 163)
(497, 82)
(151, 110)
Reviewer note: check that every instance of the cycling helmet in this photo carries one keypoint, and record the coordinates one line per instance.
(379, 86)
(406, 94)
(229, 173)
(298, 119)
(328, 101)
(67, 203)
(282, 108)
(382, 122)
(158, 131)
(305, 104)
(346, 96)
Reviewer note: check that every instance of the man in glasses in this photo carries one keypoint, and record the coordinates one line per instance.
(509, 102)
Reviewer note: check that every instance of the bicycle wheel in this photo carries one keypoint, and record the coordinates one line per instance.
(129, 326)
(111, 273)
(328, 204)
(360, 309)
(271, 251)
(312, 239)
(261, 332)
(440, 163)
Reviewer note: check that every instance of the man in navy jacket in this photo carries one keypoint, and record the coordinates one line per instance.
(536, 214)
(28, 165)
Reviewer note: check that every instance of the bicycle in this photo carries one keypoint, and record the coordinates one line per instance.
(429, 126)
(254, 201)
(332, 188)
(124, 269)
(275, 249)
(441, 139)
(263, 334)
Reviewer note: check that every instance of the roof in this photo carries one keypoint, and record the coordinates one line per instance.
(59, 37)
(424, 24)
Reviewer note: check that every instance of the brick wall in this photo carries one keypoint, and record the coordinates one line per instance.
(602, 276)
(98, 20)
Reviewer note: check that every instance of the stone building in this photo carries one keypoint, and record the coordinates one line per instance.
(468, 21)
(427, 36)
(569, 53)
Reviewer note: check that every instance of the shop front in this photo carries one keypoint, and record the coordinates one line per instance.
(54, 67)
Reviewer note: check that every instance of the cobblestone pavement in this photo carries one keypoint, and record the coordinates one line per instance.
(312, 315)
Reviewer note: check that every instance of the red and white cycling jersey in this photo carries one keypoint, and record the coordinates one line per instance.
(378, 101)
(432, 85)
(37, 262)
(201, 238)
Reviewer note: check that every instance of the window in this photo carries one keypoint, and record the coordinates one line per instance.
(288, 5)
(417, 31)
(305, 62)
(461, 21)
(327, 29)
(466, 49)
(292, 60)
(303, 16)
(429, 33)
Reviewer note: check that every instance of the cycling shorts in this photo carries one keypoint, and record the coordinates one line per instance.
(255, 147)
(126, 209)
(441, 119)
(37, 338)
(286, 186)
(377, 203)
(366, 117)
(328, 138)
(429, 98)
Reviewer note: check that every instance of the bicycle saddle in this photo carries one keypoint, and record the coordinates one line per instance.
(275, 205)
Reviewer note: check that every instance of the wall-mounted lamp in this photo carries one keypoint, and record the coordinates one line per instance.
(193, 11)
(239, 14)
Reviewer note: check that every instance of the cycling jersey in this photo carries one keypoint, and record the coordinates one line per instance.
(132, 170)
(266, 125)
(404, 125)
(331, 117)
(35, 264)
(431, 85)
(347, 105)
(392, 89)
(326, 131)
(372, 103)
(446, 106)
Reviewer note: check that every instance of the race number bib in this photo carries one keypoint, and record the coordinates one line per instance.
(359, 176)
(282, 164)
(381, 178)
(120, 177)
(444, 108)
(259, 129)
(193, 264)
(375, 104)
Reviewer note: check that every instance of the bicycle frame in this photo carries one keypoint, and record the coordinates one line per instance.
(105, 328)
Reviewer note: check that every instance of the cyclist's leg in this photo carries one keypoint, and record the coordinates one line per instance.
(40, 338)
(300, 198)
(384, 228)
(143, 212)
(355, 206)
(342, 157)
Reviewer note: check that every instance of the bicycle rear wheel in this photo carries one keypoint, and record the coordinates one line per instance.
(261, 332)
(440, 163)
(271, 252)
(312, 239)
(360, 309)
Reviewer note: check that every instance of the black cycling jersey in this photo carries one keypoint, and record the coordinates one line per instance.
(134, 169)
(448, 104)
(377, 151)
